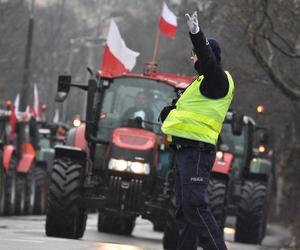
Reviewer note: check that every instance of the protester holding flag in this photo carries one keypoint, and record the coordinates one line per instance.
(194, 123)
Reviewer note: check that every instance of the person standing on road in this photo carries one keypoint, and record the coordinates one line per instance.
(194, 124)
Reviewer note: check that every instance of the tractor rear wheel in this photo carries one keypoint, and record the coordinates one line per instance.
(252, 213)
(217, 196)
(40, 190)
(2, 189)
(65, 216)
(10, 188)
(20, 194)
(111, 222)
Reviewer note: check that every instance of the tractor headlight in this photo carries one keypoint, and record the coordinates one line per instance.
(220, 154)
(129, 166)
(140, 168)
(119, 165)
(261, 149)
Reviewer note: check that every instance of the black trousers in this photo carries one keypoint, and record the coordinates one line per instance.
(194, 219)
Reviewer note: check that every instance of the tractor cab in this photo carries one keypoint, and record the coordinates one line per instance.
(128, 119)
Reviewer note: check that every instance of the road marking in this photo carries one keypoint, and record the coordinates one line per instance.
(31, 241)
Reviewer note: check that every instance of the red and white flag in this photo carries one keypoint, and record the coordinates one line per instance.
(27, 114)
(117, 58)
(168, 22)
(13, 117)
(36, 104)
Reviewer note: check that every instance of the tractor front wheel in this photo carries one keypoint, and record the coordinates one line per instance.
(40, 190)
(112, 222)
(10, 188)
(65, 217)
(217, 196)
(252, 213)
(20, 194)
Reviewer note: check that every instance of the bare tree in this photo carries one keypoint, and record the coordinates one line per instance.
(271, 29)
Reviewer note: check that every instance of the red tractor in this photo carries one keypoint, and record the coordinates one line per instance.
(23, 178)
(121, 164)
(8, 166)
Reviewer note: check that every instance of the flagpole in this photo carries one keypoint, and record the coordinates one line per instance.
(156, 45)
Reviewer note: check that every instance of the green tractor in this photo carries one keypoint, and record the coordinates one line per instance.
(251, 176)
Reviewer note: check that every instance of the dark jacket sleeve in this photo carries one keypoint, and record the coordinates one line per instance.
(215, 84)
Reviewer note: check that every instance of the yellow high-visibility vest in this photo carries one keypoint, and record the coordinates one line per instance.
(198, 117)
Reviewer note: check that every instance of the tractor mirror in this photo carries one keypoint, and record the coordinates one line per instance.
(237, 123)
(63, 87)
(92, 88)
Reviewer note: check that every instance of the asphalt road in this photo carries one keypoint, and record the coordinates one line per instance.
(27, 233)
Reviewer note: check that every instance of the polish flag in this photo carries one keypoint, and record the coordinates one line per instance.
(36, 104)
(27, 114)
(168, 22)
(117, 58)
(13, 118)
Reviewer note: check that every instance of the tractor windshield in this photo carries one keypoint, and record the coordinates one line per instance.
(2, 127)
(239, 145)
(129, 101)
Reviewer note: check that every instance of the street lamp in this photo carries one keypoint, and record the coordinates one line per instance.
(260, 109)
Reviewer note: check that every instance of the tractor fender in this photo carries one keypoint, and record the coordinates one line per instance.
(260, 167)
(72, 152)
(223, 165)
(76, 138)
(25, 163)
(8, 151)
(27, 158)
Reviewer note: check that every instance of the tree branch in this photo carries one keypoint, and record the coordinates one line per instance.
(278, 82)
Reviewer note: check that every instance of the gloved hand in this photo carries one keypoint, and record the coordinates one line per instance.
(192, 22)
(165, 112)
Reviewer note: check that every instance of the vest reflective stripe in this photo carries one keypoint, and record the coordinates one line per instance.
(195, 129)
(197, 117)
(215, 125)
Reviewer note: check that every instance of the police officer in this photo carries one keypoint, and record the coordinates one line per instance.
(194, 124)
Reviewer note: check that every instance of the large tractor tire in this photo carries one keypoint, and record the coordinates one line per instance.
(65, 217)
(30, 192)
(252, 213)
(21, 194)
(10, 188)
(217, 200)
(40, 190)
(2, 189)
(159, 225)
(110, 222)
